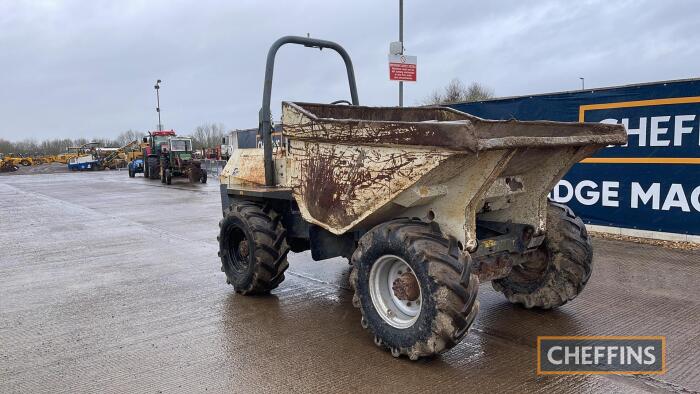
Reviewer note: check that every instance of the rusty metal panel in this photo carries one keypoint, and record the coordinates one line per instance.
(245, 167)
(336, 186)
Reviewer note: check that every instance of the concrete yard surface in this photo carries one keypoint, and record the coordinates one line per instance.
(112, 284)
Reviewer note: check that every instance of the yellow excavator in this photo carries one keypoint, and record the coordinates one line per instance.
(18, 160)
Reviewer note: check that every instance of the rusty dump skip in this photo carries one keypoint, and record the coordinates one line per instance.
(351, 167)
(438, 127)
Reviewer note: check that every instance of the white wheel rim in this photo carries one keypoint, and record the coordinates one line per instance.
(394, 311)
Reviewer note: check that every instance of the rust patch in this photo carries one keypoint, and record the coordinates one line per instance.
(492, 267)
(244, 249)
(336, 181)
(406, 287)
(250, 168)
(453, 136)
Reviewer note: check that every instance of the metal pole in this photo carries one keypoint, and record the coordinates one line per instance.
(583, 84)
(157, 87)
(401, 40)
(266, 125)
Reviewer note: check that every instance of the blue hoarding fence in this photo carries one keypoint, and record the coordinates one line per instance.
(653, 182)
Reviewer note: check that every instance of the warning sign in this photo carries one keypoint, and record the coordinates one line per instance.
(402, 68)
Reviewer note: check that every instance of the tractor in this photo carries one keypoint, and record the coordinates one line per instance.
(424, 202)
(135, 167)
(152, 147)
(176, 160)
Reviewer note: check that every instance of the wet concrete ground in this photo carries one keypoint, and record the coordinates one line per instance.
(113, 284)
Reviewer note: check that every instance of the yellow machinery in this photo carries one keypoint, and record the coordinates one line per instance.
(122, 156)
(64, 157)
(114, 159)
(18, 160)
(46, 159)
(6, 166)
(41, 160)
(60, 158)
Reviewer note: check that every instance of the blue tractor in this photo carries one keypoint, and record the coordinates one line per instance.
(135, 166)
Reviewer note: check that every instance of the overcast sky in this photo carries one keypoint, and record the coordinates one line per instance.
(87, 68)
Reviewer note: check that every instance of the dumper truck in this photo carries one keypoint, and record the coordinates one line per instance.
(424, 202)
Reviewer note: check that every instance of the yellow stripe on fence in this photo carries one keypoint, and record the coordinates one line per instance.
(641, 160)
(640, 103)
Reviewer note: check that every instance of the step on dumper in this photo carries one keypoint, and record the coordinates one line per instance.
(424, 202)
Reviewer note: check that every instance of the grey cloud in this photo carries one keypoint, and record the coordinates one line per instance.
(86, 68)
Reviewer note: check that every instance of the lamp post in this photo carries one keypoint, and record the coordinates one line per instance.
(583, 84)
(157, 88)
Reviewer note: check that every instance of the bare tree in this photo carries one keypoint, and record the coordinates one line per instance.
(6, 146)
(127, 137)
(30, 147)
(456, 92)
(208, 135)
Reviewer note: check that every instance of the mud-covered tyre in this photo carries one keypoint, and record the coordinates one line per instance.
(168, 176)
(153, 168)
(252, 247)
(562, 270)
(131, 173)
(446, 298)
(193, 174)
(203, 178)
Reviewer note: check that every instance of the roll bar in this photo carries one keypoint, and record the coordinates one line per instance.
(267, 90)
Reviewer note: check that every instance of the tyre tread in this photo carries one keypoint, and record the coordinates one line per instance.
(456, 304)
(270, 246)
(570, 265)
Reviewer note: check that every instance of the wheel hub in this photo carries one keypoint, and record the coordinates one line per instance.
(395, 291)
(243, 248)
(406, 287)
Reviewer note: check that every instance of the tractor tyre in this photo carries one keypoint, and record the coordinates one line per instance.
(417, 296)
(153, 168)
(562, 269)
(131, 173)
(168, 176)
(252, 247)
(145, 170)
(203, 178)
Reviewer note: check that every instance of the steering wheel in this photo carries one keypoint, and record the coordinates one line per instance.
(341, 102)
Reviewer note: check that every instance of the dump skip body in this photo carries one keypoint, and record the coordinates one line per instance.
(353, 166)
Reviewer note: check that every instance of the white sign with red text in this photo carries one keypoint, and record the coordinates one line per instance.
(402, 68)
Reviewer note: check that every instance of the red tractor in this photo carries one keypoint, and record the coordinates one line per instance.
(151, 154)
